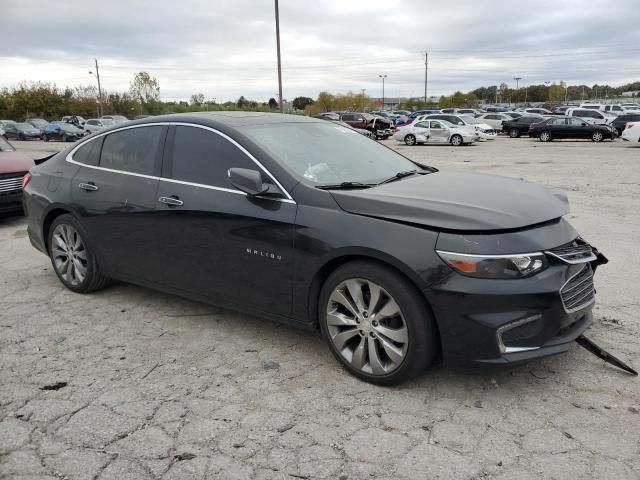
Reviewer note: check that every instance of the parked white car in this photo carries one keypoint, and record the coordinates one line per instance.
(591, 106)
(434, 131)
(96, 124)
(591, 116)
(485, 132)
(632, 132)
(494, 119)
(538, 110)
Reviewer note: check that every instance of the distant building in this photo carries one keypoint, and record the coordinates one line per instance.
(390, 103)
(633, 93)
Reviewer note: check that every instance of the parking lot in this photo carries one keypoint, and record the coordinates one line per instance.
(128, 383)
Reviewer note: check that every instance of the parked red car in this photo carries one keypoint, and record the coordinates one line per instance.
(13, 168)
(378, 126)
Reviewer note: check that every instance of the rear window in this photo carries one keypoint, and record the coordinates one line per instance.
(133, 150)
(89, 153)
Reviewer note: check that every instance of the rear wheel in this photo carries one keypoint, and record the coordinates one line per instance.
(72, 257)
(65, 138)
(376, 323)
(597, 136)
(410, 139)
(45, 138)
(456, 140)
(21, 137)
(545, 137)
(514, 133)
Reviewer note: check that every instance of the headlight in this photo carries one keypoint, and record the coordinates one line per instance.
(518, 265)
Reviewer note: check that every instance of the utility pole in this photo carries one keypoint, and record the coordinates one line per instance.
(382, 77)
(100, 111)
(279, 64)
(426, 74)
(517, 79)
(363, 90)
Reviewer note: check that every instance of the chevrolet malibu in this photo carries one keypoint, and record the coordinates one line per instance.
(309, 223)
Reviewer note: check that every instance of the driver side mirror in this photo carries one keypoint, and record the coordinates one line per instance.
(250, 182)
(584, 124)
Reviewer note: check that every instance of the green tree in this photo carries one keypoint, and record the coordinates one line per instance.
(197, 99)
(242, 102)
(300, 103)
(273, 104)
(144, 88)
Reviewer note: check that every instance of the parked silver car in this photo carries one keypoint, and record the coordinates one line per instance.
(96, 124)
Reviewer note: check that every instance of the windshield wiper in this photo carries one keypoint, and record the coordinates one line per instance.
(400, 175)
(345, 185)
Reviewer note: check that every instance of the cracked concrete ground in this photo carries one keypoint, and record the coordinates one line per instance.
(128, 383)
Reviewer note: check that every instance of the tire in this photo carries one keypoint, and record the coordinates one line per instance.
(45, 138)
(21, 137)
(514, 133)
(408, 320)
(545, 137)
(456, 140)
(68, 237)
(597, 136)
(410, 140)
(65, 138)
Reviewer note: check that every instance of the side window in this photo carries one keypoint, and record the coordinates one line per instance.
(422, 125)
(436, 125)
(348, 117)
(89, 153)
(133, 150)
(202, 156)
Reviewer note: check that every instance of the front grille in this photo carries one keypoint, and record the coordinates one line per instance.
(577, 251)
(11, 183)
(579, 291)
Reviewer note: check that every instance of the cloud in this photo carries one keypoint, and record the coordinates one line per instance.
(227, 49)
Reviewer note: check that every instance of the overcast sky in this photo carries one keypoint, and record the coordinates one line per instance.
(225, 49)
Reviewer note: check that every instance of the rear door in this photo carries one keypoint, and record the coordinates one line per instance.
(217, 241)
(115, 193)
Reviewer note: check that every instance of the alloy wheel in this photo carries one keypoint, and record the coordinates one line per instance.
(456, 140)
(545, 136)
(597, 136)
(410, 140)
(367, 327)
(69, 254)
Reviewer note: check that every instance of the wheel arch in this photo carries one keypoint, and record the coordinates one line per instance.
(48, 220)
(321, 275)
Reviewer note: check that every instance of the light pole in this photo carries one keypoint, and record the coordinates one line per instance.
(363, 90)
(278, 47)
(517, 79)
(383, 77)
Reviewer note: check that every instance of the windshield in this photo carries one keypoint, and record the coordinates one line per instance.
(107, 121)
(23, 126)
(38, 122)
(327, 154)
(5, 146)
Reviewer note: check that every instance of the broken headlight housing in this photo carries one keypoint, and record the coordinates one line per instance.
(519, 265)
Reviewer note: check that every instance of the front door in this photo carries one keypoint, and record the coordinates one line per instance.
(438, 132)
(115, 191)
(217, 241)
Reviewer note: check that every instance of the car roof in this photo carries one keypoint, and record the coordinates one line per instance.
(229, 119)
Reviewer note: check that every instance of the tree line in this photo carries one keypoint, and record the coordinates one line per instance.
(143, 98)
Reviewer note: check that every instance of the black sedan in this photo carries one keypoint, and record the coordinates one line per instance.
(63, 131)
(21, 131)
(570, 127)
(520, 126)
(304, 222)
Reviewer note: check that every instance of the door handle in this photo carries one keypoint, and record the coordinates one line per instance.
(89, 186)
(172, 201)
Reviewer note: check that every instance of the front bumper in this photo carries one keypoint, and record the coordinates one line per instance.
(11, 202)
(485, 321)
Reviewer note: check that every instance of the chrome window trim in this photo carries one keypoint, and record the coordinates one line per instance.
(69, 158)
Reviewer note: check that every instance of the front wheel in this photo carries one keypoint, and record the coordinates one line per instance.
(545, 137)
(514, 133)
(456, 140)
(597, 136)
(376, 323)
(72, 257)
(410, 139)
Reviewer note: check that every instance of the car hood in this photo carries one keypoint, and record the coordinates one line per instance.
(457, 201)
(12, 162)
